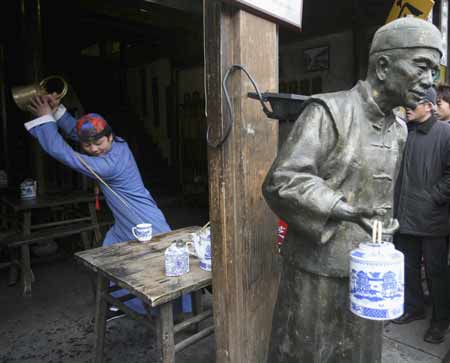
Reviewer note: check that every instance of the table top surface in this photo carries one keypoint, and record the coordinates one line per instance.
(139, 267)
(47, 200)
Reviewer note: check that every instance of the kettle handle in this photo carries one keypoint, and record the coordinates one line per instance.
(43, 84)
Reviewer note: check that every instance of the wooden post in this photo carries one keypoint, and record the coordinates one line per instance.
(31, 25)
(3, 115)
(243, 228)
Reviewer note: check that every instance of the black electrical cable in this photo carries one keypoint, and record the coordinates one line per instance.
(228, 124)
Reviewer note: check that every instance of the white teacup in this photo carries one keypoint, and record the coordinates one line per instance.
(142, 232)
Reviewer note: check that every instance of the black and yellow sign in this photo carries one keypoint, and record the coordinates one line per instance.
(417, 8)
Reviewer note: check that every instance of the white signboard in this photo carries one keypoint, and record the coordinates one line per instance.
(444, 30)
(284, 11)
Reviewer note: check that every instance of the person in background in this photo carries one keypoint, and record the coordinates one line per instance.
(110, 158)
(443, 103)
(422, 197)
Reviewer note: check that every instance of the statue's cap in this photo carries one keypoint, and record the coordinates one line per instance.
(408, 32)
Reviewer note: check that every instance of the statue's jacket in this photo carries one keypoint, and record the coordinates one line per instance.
(342, 147)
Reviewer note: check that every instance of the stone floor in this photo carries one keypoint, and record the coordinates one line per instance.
(56, 323)
(404, 343)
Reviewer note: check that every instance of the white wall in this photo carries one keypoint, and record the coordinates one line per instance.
(339, 76)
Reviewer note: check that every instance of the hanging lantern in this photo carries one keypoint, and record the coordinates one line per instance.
(376, 279)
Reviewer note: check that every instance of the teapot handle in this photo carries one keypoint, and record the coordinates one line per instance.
(133, 230)
(187, 247)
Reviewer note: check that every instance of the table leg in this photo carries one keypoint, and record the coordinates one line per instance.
(27, 274)
(4, 222)
(100, 317)
(197, 305)
(85, 240)
(94, 220)
(14, 269)
(165, 341)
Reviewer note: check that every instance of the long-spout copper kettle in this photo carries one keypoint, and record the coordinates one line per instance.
(22, 95)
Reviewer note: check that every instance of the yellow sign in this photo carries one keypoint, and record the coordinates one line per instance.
(417, 8)
(443, 74)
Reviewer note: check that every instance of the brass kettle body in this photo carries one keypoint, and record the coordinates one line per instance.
(23, 95)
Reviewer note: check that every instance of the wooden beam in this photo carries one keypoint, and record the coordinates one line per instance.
(156, 16)
(243, 228)
(190, 6)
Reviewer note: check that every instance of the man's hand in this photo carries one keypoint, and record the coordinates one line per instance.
(39, 106)
(53, 101)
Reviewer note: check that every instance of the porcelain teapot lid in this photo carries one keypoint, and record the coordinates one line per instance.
(373, 251)
(177, 247)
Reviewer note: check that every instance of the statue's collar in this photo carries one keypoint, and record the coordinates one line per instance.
(371, 109)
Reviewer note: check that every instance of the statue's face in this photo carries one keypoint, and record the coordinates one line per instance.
(410, 73)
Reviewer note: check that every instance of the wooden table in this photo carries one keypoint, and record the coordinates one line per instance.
(139, 268)
(31, 233)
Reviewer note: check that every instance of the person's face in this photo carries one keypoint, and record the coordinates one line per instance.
(409, 73)
(443, 110)
(421, 113)
(98, 147)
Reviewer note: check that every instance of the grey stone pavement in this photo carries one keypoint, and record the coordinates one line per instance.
(404, 343)
(56, 324)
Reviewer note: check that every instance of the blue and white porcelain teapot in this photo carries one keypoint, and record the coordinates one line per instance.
(176, 259)
(376, 279)
(201, 242)
(28, 189)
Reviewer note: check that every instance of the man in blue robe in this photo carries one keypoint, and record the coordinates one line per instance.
(111, 159)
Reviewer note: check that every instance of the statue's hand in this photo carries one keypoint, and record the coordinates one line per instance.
(360, 215)
(345, 212)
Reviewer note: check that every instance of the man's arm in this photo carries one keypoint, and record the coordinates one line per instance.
(440, 192)
(64, 119)
(66, 122)
(45, 129)
(296, 187)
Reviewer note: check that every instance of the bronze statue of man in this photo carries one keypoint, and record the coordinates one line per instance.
(334, 173)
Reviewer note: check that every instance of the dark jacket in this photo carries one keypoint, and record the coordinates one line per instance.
(422, 191)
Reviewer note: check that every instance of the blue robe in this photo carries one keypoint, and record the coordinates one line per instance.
(118, 168)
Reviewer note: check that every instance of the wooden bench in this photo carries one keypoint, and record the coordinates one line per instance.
(81, 219)
(23, 241)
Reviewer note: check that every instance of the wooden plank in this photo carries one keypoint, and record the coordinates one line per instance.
(243, 228)
(60, 223)
(194, 320)
(47, 200)
(20, 239)
(194, 338)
